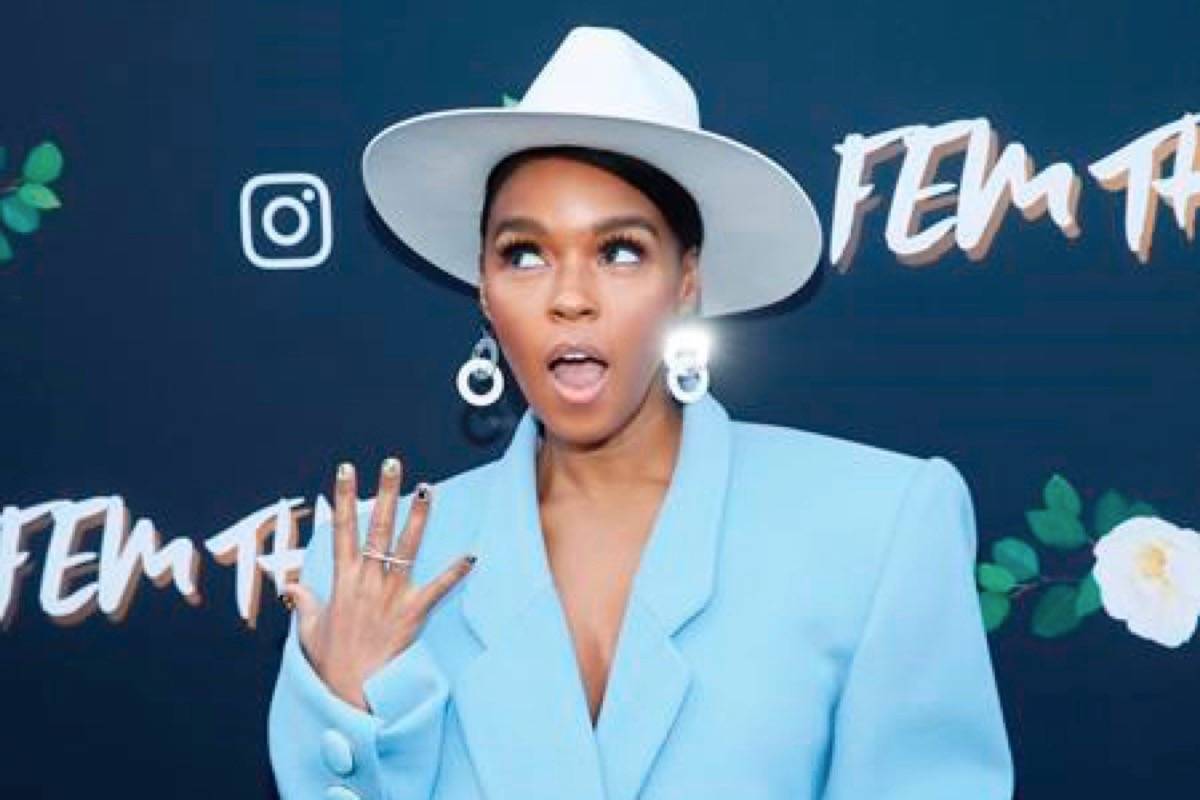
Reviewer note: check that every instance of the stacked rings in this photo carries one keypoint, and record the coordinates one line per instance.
(389, 561)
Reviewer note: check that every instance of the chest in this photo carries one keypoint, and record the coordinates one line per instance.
(593, 556)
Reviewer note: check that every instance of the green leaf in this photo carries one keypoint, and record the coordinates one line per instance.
(44, 163)
(1088, 601)
(995, 608)
(1142, 509)
(1060, 495)
(1017, 557)
(6, 253)
(39, 196)
(508, 101)
(1111, 509)
(1056, 528)
(1055, 614)
(994, 577)
(18, 215)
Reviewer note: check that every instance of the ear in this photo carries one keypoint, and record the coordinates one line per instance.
(689, 284)
(483, 306)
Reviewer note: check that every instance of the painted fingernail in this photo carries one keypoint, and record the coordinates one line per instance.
(391, 466)
(345, 471)
(423, 492)
(471, 558)
(287, 601)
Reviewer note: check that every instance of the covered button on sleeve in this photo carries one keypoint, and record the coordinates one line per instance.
(337, 752)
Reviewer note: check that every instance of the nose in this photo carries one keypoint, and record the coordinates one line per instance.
(573, 294)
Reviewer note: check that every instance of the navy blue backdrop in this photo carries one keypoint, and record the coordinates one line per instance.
(142, 354)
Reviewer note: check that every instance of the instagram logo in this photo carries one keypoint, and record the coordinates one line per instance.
(278, 229)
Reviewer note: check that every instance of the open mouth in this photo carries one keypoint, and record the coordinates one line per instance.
(578, 377)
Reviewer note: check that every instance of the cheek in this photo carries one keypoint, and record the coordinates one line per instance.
(516, 319)
(639, 333)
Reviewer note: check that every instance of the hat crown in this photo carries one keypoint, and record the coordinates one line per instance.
(605, 71)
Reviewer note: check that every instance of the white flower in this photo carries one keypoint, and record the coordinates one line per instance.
(1148, 571)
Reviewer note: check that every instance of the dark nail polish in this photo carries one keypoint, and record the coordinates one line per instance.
(472, 558)
(423, 492)
(287, 601)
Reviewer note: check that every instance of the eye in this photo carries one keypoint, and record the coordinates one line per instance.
(516, 247)
(624, 242)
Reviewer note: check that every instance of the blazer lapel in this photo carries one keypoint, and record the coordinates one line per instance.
(650, 677)
(521, 702)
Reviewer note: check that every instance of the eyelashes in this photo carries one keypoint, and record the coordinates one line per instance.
(624, 240)
(519, 245)
(515, 245)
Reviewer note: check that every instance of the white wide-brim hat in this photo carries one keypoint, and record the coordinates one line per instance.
(425, 175)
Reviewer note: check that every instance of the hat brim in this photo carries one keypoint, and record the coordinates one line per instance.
(762, 237)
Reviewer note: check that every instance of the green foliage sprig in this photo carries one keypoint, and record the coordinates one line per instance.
(1016, 569)
(24, 198)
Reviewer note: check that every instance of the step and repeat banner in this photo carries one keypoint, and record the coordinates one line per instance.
(200, 315)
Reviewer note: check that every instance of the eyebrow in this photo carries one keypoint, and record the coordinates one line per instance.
(531, 225)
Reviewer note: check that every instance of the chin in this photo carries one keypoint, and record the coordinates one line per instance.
(577, 422)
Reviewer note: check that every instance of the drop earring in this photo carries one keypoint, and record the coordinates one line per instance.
(686, 356)
(484, 364)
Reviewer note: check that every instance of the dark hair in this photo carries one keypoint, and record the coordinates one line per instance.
(674, 202)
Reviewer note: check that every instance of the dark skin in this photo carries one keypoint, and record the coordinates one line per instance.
(604, 467)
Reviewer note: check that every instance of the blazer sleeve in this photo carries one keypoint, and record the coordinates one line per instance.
(919, 715)
(318, 741)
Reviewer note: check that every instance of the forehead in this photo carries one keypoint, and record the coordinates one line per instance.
(564, 193)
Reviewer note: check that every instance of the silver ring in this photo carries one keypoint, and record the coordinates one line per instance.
(388, 560)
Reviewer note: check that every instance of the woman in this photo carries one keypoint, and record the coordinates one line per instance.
(667, 603)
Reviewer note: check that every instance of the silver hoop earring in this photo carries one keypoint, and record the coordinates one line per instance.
(686, 356)
(483, 364)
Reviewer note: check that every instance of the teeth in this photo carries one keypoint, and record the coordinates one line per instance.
(575, 357)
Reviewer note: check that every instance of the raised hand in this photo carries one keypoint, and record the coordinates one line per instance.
(375, 610)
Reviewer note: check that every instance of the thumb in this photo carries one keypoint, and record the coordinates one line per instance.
(297, 596)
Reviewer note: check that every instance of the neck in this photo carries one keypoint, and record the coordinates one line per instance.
(643, 450)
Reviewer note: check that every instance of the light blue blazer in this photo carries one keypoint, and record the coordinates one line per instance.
(803, 625)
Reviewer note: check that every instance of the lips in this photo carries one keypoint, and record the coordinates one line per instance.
(579, 371)
(574, 348)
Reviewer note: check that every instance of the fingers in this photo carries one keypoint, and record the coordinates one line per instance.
(383, 514)
(409, 541)
(299, 597)
(437, 588)
(345, 516)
